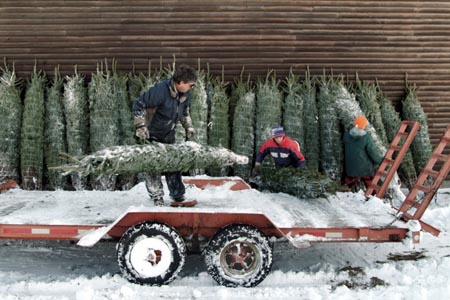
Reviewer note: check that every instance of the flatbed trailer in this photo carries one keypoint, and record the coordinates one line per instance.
(233, 225)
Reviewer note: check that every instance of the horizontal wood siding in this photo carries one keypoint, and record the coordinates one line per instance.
(381, 40)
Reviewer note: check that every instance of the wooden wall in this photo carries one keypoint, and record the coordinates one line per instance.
(377, 39)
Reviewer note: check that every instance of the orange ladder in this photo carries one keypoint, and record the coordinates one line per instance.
(393, 158)
(428, 182)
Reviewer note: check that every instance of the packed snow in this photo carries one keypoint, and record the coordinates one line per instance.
(52, 270)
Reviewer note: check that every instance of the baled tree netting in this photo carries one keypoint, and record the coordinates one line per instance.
(391, 121)
(366, 95)
(243, 132)
(32, 135)
(76, 109)
(421, 148)
(125, 121)
(219, 126)
(331, 154)
(199, 113)
(103, 115)
(269, 100)
(154, 158)
(311, 148)
(10, 121)
(55, 132)
(293, 109)
(199, 109)
(300, 182)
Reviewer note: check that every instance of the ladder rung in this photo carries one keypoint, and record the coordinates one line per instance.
(382, 174)
(396, 148)
(447, 139)
(389, 160)
(433, 173)
(405, 134)
(413, 204)
(374, 187)
(440, 156)
(423, 188)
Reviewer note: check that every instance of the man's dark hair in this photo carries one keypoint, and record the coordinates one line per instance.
(185, 73)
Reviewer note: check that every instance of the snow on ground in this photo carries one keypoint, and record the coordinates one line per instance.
(50, 270)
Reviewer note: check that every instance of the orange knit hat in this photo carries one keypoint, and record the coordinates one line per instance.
(361, 122)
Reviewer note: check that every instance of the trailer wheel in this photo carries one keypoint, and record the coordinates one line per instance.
(151, 253)
(239, 255)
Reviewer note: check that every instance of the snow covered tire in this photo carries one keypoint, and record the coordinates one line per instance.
(239, 256)
(151, 253)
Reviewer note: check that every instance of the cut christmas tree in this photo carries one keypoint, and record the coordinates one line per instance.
(311, 148)
(391, 121)
(10, 122)
(154, 158)
(293, 109)
(219, 126)
(55, 132)
(243, 132)
(299, 182)
(32, 134)
(412, 110)
(76, 111)
(103, 123)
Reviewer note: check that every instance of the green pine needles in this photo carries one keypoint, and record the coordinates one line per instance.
(243, 137)
(331, 154)
(311, 148)
(55, 132)
(154, 158)
(366, 94)
(269, 100)
(219, 126)
(76, 110)
(391, 121)
(293, 109)
(10, 122)
(299, 182)
(421, 148)
(32, 135)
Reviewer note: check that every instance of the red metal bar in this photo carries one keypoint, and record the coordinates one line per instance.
(44, 232)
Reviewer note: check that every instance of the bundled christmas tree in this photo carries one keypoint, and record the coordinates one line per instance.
(76, 111)
(103, 119)
(421, 148)
(299, 182)
(366, 94)
(199, 109)
(293, 109)
(125, 121)
(243, 132)
(391, 121)
(311, 148)
(219, 126)
(330, 134)
(269, 101)
(154, 158)
(139, 84)
(10, 122)
(32, 135)
(55, 132)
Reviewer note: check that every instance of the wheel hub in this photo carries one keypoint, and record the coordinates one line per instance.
(239, 258)
(154, 256)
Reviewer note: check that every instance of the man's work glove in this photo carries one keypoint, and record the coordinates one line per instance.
(141, 130)
(257, 170)
(142, 133)
(190, 133)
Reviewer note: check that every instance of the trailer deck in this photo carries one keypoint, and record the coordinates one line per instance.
(70, 215)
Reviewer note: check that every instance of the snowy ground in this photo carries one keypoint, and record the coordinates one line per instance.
(62, 270)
